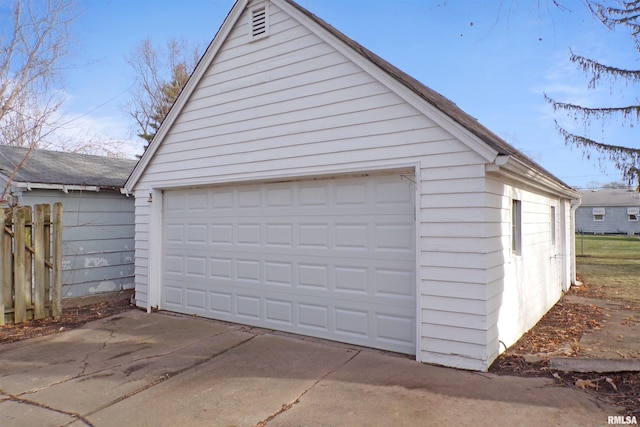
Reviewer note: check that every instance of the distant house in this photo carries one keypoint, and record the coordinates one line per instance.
(98, 219)
(609, 212)
(302, 183)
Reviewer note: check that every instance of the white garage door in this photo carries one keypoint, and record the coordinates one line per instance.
(331, 258)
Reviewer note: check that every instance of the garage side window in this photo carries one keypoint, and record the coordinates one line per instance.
(633, 213)
(516, 227)
(598, 214)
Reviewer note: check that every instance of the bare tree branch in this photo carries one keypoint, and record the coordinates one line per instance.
(160, 73)
(34, 39)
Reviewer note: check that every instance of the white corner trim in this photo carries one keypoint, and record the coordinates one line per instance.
(154, 296)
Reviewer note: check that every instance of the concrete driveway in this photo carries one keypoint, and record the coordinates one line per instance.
(138, 369)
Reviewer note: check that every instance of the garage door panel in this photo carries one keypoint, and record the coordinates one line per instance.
(331, 258)
(389, 281)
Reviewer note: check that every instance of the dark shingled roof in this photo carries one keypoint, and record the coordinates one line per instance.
(55, 167)
(614, 197)
(432, 97)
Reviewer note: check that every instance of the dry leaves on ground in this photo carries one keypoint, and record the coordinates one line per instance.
(71, 318)
(558, 334)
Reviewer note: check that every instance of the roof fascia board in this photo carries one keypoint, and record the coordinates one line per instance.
(62, 187)
(514, 169)
(465, 136)
(211, 52)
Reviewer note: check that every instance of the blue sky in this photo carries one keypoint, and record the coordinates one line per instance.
(494, 61)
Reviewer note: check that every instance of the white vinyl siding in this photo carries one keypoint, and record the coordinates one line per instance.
(526, 286)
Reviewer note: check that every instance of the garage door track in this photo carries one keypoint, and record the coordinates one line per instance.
(138, 369)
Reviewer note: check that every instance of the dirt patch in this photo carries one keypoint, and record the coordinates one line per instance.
(71, 318)
(561, 332)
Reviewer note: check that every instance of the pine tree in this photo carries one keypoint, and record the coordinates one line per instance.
(169, 92)
(160, 74)
(625, 15)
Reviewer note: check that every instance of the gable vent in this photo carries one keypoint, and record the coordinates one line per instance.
(259, 23)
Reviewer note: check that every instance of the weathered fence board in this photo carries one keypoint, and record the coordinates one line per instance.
(30, 263)
(56, 300)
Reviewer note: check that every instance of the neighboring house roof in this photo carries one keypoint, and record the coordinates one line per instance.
(43, 167)
(617, 197)
(499, 147)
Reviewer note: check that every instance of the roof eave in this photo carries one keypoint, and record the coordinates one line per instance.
(516, 170)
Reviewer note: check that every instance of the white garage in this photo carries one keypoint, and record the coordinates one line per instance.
(331, 258)
(301, 183)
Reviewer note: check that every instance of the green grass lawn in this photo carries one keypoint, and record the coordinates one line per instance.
(609, 266)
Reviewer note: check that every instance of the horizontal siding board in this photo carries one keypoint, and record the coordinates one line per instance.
(462, 229)
(99, 218)
(452, 333)
(466, 200)
(439, 173)
(446, 318)
(453, 260)
(455, 361)
(472, 291)
(88, 247)
(92, 261)
(453, 244)
(102, 274)
(452, 186)
(457, 304)
(449, 215)
(108, 231)
(92, 288)
(453, 348)
(454, 274)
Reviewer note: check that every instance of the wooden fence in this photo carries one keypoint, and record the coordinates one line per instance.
(30, 263)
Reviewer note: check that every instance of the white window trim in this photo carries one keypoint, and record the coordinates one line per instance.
(553, 218)
(598, 214)
(516, 227)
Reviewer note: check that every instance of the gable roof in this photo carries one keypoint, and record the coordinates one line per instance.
(63, 169)
(497, 147)
(614, 197)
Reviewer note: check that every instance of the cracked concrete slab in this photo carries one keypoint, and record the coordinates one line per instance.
(241, 387)
(160, 369)
(126, 379)
(16, 414)
(388, 391)
(42, 362)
